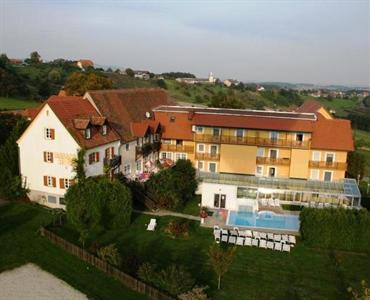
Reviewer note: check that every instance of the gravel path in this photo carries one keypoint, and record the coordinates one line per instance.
(30, 282)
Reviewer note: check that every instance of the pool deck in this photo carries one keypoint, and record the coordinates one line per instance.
(219, 217)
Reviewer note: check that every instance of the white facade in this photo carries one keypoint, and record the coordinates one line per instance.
(47, 181)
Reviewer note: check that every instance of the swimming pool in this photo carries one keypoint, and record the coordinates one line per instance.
(263, 219)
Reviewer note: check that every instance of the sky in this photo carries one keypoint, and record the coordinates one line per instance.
(298, 41)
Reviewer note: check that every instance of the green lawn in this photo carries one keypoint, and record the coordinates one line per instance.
(192, 207)
(339, 105)
(362, 138)
(366, 154)
(255, 273)
(20, 243)
(14, 103)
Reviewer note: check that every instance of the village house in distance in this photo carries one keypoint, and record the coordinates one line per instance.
(246, 159)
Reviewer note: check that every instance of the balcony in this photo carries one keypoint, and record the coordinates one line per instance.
(328, 165)
(177, 148)
(147, 148)
(113, 162)
(273, 161)
(207, 156)
(251, 141)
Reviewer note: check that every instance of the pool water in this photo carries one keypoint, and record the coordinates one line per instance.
(263, 219)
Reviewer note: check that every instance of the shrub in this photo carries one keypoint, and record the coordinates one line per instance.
(177, 228)
(196, 293)
(336, 228)
(110, 254)
(147, 272)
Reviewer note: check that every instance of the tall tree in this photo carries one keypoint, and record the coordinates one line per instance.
(35, 57)
(221, 260)
(78, 83)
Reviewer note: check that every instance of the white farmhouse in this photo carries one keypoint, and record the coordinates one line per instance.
(47, 148)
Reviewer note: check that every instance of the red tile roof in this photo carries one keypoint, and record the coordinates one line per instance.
(124, 106)
(31, 113)
(310, 106)
(71, 110)
(140, 129)
(86, 62)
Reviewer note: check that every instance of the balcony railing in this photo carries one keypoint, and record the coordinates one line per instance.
(113, 162)
(177, 148)
(207, 156)
(147, 148)
(273, 161)
(252, 141)
(328, 165)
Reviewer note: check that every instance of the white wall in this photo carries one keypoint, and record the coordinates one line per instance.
(32, 145)
(98, 167)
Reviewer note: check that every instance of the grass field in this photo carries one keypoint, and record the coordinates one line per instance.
(21, 243)
(14, 103)
(339, 105)
(255, 273)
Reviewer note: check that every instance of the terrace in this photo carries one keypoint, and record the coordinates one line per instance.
(177, 148)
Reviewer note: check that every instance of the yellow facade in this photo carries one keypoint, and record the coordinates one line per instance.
(238, 159)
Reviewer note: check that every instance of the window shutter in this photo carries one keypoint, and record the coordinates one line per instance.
(112, 151)
(97, 156)
(91, 158)
(44, 156)
(54, 181)
(45, 180)
(51, 157)
(72, 182)
(107, 153)
(61, 183)
(52, 134)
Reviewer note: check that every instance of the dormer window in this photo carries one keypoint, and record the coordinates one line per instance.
(88, 133)
(104, 130)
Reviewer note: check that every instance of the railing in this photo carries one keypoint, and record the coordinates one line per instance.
(177, 148)
(253, 141)
(207, 156)
(147, 148)
(273, 161)
(113, 162)
(328, 165)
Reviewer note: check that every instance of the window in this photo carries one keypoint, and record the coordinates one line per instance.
(273, 153)
(259, 171)
(329, 158)
(93, 157)
(260, 152)
(127, 169)
(219, 200)
(274, 135)
(172, 119)
(166, 155)
(138, 165)
(200, 165)
(109, 153)
(328, 175)
(48, 157)
(49, 181)
(201, 147)
(49, 133)
(315, 174)
(299, 137)
(127, 147)
(213, 150)
(52, 199)
(104, 130)
(179, 142)
(180, 156)
(272, 172)
(239, 133)
(87, 133)
(212, 167)
(65, 183)
(198, 129)
(316, 155)
(62, 201)
(167, 142)
(248, 193)
(216, 131)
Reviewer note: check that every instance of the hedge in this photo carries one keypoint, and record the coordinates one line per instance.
(336, 228)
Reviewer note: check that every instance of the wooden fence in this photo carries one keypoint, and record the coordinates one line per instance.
(100, 264)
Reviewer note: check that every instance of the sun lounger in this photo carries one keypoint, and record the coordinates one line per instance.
(270, 236)
(263, 244)
(248, 233)
(242, 233)
(240, 241)
(217, 235)
(248, 242)
(263, 235)
(236, 229)
(277, 246)
(277, 237)
(286, 248)
(285, 238)
(233, 232)
(255, 242)
(216, 227)
(256, 234)
(232, 239)
(270, 245)
(224, 238)
(152, 224)
(292, 239)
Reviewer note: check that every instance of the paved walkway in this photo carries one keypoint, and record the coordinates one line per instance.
(162, 213)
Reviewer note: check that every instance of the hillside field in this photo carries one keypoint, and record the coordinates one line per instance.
(16, 103)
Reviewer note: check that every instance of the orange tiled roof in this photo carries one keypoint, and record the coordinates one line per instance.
(125, 106)
(140, 129)
(86, 62)
(76, 113)
(310, 106)
(31, 113)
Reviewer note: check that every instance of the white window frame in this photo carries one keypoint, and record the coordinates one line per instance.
(262, 170)
(273, 149)
(204, 148)
(49, 157)
(209, 165)
(236, 132)
(213, 131)
(210, 147)
(168, 155)
(315, 177)
(313, 155)
(303, 136)
(199, 129)
(49, 181)
(138, 166)
(268, 171)
(47, 133)
(127, 147)
(88, 133)
(277, 135)
(263, 150)
(104, 129)
(67, 183)
(127, 169)
(203, 164)
(328, 153)
(331, 176)
(180, 155)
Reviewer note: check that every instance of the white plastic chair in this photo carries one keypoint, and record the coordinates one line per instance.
(248, 242)
(240, 241)
(270, 245)
(263, 244)
(248, 233)
(277, 246)
(277, 237)
(152, 224)
(232, 239)
(256, 234)
(292, 239)
(270, 236)
(255, 242)
(286, 248)
(263, 235)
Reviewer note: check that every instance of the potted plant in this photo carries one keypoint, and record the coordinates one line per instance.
(203, 214)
